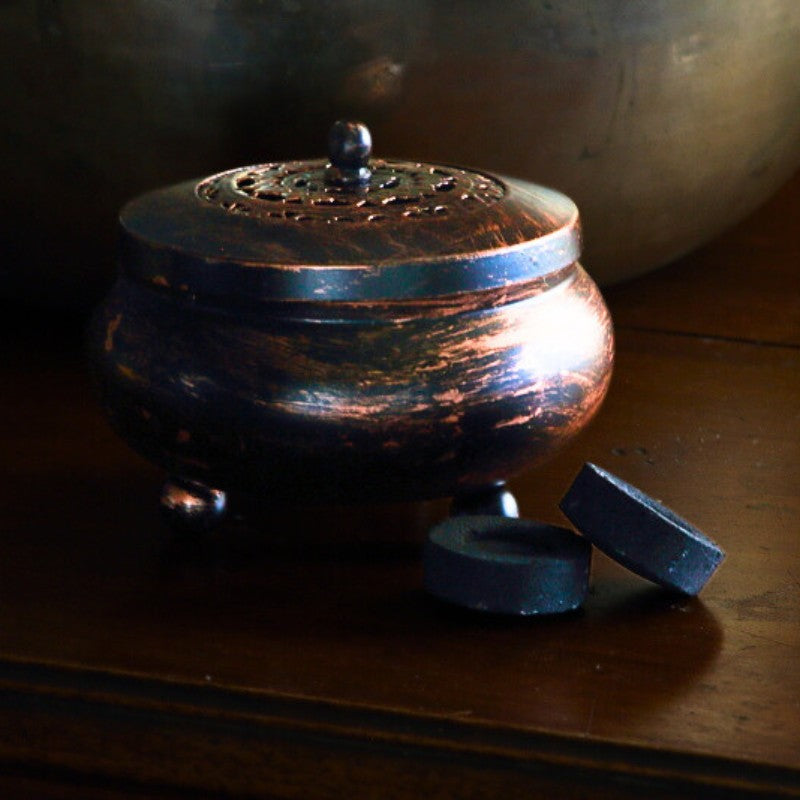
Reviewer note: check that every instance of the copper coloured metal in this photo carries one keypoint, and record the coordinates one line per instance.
(348, 358)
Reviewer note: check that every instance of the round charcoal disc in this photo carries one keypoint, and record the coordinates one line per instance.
(506, 565)
(640, 533)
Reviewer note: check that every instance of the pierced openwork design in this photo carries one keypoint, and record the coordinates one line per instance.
(297, 191)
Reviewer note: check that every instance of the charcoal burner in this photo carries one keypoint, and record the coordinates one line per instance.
(349, 330)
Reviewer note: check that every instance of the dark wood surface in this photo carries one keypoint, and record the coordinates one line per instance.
(304, 660)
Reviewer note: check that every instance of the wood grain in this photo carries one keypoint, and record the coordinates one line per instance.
(744, 286)
(304, 660)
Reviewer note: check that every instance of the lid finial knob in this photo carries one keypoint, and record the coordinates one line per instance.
(349, 149)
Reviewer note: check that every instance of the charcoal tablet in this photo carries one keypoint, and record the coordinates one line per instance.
(506, 565)
(640, 533)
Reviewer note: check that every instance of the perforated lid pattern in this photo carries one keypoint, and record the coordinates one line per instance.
(398, 190)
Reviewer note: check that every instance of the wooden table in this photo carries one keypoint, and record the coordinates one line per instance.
(306, 662)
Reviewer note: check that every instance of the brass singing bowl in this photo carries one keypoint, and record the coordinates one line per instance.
(665, 121)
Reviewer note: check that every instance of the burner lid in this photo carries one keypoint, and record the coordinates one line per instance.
(351, 228)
